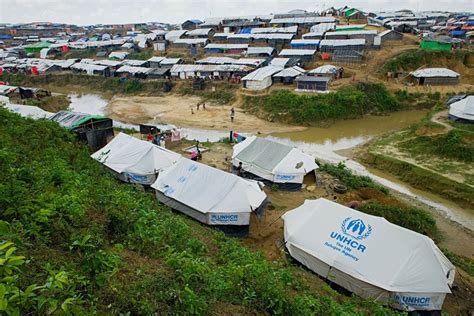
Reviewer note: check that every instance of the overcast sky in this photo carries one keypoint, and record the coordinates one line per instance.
(176, 11)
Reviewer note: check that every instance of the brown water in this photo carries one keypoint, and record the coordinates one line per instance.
(323, 143)
(350, 133)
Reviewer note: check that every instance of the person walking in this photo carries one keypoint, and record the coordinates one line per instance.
(232, 114)
(149, 137)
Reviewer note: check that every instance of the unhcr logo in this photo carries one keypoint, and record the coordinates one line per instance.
(356, 228)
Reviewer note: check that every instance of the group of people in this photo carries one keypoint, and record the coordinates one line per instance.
(203, 105)
(157, 139)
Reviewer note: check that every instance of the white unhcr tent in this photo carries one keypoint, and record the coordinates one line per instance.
(135, 160)
(368, 255)
(211, 196)
(273, 161)
(463, 110)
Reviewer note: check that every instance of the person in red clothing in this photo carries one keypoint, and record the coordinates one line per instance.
(149, 137)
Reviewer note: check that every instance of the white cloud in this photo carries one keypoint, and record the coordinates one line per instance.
(176, 11)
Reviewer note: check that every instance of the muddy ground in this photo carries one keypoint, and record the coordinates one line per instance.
(182, 111)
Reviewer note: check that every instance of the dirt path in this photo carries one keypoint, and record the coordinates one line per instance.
(437, 118)
(176, 109)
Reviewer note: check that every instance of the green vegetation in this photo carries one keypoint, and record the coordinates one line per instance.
(52, 103)
(422, 178)
(465, 263)
(142, 55)
(413, 59)
(348, 102)
(455, 144)
(343, 174)
(74, 240)
(412, 218)
(81, 53)
(221, 93)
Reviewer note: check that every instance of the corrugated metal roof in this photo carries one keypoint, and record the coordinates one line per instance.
(311, 78)
(231, 61)
(191, 41)
(88, 67)
(349, 33)
(313, 34)
(262, 73)
(297, 52)
(175, 34)
(305, 42)
(208, 68)
(434, 72)
(342, 42)
(260, 50)
(156, 59)
(290, 29)
(134, 62)
(226, 46)
(170, 61)
(134, 70)
(304, 20)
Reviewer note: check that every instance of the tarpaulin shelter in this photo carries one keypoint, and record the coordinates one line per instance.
(209, 195)
(134, 160)
(95, 129)
(273, 162)
(368, 255)
(462, 110)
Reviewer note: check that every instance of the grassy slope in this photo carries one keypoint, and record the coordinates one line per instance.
(96, 245)
(348, 102)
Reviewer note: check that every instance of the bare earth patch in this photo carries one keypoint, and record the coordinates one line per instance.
(176, 109)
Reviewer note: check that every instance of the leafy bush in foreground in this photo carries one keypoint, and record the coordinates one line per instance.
(88, 244)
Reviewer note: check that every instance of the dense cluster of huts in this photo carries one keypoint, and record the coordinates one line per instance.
(256, 50)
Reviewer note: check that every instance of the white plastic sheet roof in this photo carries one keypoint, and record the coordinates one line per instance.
(371, 250)
(128, 154)
(262, 73)
(350, 26)
(5, 89)
(272, 160)
(304, 20)
(434, 72)
(175, 34)
(463, 108)
(118, 55)
(226, 46)
(290, 72)
(290, 29)
(342, 42)
(297, 52)
(324, 69)
(102, 62)
(89, 68)
(33, 112)
(322, 27)
(199, 32)
(207, 189)
(279, 62)
(231, 61)
(349, 33)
